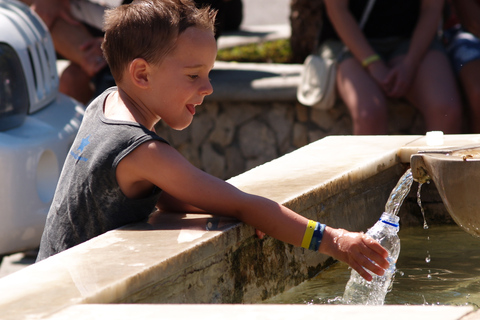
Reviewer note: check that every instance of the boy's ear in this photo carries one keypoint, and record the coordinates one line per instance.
(139, 71)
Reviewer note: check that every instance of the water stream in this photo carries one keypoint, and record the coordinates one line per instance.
(399, 193)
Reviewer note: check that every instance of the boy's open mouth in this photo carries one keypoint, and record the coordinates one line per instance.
(191, 108)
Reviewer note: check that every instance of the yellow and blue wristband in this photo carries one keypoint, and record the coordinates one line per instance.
(313, 235)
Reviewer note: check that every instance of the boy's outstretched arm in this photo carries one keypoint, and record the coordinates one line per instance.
(157, 163)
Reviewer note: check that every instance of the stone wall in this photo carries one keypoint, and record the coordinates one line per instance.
(227, 138)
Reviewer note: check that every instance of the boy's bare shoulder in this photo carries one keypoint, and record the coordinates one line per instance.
(153, 153)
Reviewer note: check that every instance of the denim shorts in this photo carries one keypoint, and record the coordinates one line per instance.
(462, 47)
(387, 48)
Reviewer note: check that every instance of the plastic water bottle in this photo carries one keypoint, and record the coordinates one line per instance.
(361, 291)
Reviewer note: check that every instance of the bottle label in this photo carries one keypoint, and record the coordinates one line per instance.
(391, 220)
(389, 223)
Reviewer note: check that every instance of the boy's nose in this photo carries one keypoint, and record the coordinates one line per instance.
(207, 89)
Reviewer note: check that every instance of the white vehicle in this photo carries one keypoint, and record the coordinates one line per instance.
(37, 126)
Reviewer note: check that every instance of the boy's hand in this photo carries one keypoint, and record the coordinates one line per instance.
(356, 249)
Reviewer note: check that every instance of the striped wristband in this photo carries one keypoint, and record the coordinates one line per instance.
(313, 235)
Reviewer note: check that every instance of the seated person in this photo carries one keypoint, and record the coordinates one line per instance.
(76, 29)
(395, 55)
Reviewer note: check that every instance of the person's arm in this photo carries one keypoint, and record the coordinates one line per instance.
(425, 31)
(402, 74)
(75, 43)
(352, 36)
(468, 12)
(71, 39)
(348, 29)
(51, 10)
(168, 203)
(156, 163)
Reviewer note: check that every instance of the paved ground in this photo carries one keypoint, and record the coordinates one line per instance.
(17, 262)
(265, 12)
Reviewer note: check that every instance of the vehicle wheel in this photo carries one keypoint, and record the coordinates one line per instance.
(233, 15)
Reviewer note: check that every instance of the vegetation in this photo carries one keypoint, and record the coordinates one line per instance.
(277, 51)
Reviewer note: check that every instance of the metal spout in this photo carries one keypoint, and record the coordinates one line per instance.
(419, 170)
(456, 174)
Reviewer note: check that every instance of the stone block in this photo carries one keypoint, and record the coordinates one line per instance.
(257, 140)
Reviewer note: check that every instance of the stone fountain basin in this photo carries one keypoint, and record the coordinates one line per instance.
(456, 174)
(343, 181)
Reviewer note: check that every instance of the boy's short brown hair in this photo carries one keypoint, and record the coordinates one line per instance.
(148, 29)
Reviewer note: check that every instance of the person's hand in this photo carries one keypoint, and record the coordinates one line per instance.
(93, 57)
(398, 81)
(379, 71)
(360, 251)
(51, 10)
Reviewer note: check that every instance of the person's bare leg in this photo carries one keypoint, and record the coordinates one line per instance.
(74, 82)
(470, 80)
(435, 93)
(363, 97)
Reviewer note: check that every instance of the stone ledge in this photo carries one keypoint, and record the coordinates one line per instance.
(235, 81)
(266, 312)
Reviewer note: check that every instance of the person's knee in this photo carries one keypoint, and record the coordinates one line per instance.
(451, 109)
(371, 119)
(372, 111)
(445, 116)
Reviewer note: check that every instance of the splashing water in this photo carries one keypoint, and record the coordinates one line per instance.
(360, 291)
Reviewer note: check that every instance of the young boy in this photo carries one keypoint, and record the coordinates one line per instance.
(160, 53)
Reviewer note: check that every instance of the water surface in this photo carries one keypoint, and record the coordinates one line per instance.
(436, 266)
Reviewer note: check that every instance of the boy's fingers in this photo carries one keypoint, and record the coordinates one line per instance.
(375, 246)
(369, 262)
(376, 253)
(361, 271)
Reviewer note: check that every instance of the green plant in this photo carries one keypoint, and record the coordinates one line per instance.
(277, 51)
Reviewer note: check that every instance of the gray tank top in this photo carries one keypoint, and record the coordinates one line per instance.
(88, 200)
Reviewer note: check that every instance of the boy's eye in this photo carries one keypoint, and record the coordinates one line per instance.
(193, 76)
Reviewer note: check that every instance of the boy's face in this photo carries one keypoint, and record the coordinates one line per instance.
(181, 81)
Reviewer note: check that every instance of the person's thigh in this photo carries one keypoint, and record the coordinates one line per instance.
(470, 77)
(434, 82)
(435, 93)
(363, 97)
(470, 81)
